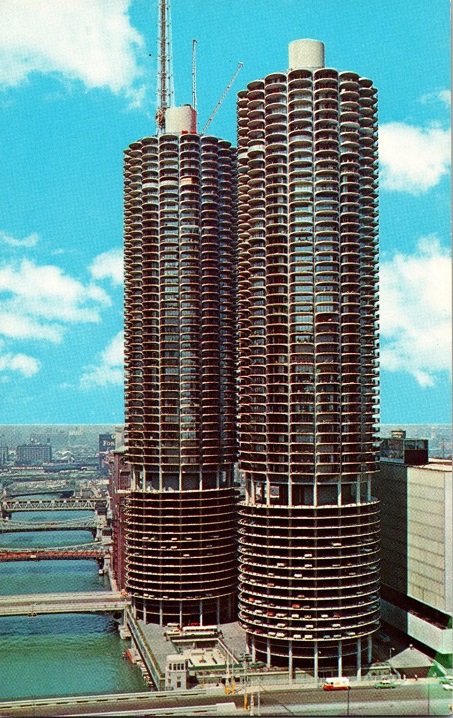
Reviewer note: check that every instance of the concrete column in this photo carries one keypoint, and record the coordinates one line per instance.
(250, 492)
(268, 660)
(370, 649)
(253, 649)
(359, 659)
(340, 658)
(200, 610)
(290, 662)
(180, 614)
(161, 614)
(316, 662)
(218, 611)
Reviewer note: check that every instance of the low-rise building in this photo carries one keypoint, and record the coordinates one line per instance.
(33, 454)
(3, 455)
(416, 505)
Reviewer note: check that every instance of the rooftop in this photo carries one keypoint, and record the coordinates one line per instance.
(202, 653)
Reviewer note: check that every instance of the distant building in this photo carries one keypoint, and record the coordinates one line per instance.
(119, 437)
(416, 507)
(399, 449)
(119, 490)
(33, 454)
(3, 455)
(106, 446)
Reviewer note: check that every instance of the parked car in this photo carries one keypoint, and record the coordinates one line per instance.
(385, 683)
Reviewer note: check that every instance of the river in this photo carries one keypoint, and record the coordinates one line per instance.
(60, 654)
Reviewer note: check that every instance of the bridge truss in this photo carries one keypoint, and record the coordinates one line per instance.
(78, 551)
(70, 524)
(75, 504)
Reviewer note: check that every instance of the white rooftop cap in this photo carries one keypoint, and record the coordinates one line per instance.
(306, 54)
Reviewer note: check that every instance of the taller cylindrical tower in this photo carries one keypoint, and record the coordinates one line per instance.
(307, 163)
(180, 335)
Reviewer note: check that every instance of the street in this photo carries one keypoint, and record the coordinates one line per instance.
(415, 699)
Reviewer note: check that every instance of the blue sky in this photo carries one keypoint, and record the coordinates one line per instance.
(77, 85)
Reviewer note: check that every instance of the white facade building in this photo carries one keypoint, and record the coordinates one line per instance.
(417, 576)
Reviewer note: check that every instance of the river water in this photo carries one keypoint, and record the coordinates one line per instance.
(60, 654)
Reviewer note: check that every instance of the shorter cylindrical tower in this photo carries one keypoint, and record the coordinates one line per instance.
(180, 341)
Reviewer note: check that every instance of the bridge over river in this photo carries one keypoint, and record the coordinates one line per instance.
(9, 506)
(68, 525)
(80, 551)
(90, 602)
(22, 489)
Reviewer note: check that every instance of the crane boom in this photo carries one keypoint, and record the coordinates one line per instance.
(225, 92)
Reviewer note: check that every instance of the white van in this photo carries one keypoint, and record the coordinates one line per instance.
(336, 684)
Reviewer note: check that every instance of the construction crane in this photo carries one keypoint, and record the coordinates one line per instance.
(165, 90)
(225, 92)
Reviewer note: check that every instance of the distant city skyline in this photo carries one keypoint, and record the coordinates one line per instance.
(68, 435)
(75, 94)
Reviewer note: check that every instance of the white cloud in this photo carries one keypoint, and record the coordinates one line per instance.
(36, 302)
(30, 241)
(108, 265)
(22, 363)
(412, 159)
(17, 326)
(443, 96)
(88, 40)
(415, 297)
(109, 368)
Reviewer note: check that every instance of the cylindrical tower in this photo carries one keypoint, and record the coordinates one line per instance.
(180, 337)
(308, 369)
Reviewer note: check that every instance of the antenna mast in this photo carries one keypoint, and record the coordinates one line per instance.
(165, 90)
(194, 75)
